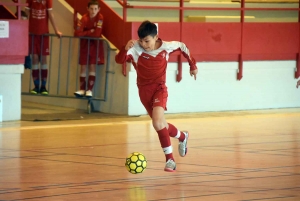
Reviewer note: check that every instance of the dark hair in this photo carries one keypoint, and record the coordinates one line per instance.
(93, 2)
(147, 28)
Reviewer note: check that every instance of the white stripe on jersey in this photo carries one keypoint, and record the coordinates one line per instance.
(169, 47)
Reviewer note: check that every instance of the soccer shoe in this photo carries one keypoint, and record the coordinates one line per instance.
(170, 166)
(44, 91)
(88, 94)
(79, 93)
(35, 90)
(182, 146)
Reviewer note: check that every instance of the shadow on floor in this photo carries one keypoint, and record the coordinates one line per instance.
(42, 112)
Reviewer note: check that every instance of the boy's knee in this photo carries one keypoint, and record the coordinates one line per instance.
(158, 124)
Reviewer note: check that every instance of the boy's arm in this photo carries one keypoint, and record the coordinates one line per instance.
(123, 55)
(51, 17)
(174, 46)
(80, 29)
(98, 30)
(89, 33)
(179, 46)
(298, 84)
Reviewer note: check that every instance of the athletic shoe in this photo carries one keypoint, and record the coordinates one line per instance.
(88, 94)
(170, 166)
(44, 91)
(35, 90)
(79, 93)
(182, 146)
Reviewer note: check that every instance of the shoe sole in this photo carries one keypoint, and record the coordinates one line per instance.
(78, 96)
(44, 93)
(169, 170)
(186, 149)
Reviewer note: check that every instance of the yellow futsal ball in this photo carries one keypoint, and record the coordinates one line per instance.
(136, 163)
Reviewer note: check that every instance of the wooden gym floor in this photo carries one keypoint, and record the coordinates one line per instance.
(234, 156)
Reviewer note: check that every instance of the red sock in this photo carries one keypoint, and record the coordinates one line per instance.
(91, 82)
(173, 132)
(165, 143)
(44, 74)
(82, 83)
(36, 77)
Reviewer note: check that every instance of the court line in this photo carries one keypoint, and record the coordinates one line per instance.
(71, 125)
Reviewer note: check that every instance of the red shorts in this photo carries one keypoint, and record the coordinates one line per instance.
(39, 44)
(153, 95)
(91, 58)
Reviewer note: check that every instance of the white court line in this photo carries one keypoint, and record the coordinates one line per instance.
(72, 125)
(231, 117)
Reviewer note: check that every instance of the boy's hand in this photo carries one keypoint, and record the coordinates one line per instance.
(194, 73)
(129, 45)
(92, 30)
(298, 84)
(58, 33)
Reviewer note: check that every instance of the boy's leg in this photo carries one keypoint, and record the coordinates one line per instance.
(154, 99)
(181, 136)
(91, 80)
(35, 74)
(175, 133)
(159, 125)
(44, 75)
(44, 52)
(82, 82)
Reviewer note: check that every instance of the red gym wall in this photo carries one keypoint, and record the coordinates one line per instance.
(211, 41)
(15, 48)
(207, 41)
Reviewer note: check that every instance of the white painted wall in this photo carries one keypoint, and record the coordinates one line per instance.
(10, 88)
(1, 108)
(265, 85)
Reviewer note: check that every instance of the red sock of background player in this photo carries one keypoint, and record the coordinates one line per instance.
(174, 132)
(91, 82)
(165, 143)
(82, 82)
(36, 76)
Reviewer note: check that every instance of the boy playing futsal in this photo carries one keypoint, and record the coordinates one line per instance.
(90, 25)
(39, 12)
(149, 56)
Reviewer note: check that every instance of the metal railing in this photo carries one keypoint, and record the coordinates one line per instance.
(63, 69)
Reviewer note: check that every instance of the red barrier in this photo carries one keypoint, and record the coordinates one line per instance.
(14, 48)
(214, 41)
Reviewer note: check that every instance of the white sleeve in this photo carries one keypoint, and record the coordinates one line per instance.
(174, 45)
(135, 51)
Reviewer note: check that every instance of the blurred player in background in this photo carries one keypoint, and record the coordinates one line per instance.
(91, 51)
(39, 12)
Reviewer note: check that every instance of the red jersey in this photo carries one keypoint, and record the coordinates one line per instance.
(38, 19)
(151, 66)
(84, 27)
